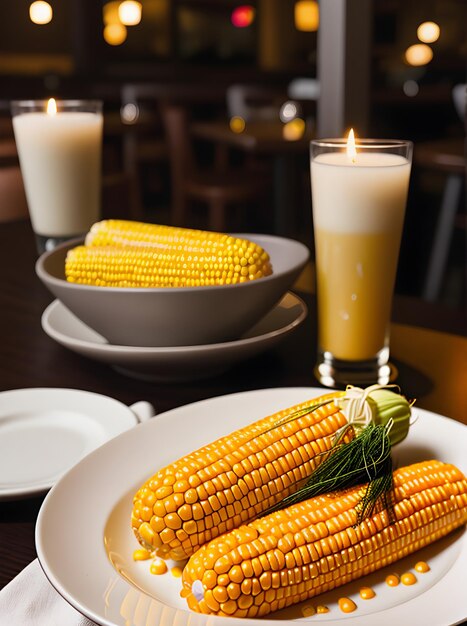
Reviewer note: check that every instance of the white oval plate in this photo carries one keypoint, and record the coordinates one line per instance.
(44, 432)
(174, 363)
(85, 542)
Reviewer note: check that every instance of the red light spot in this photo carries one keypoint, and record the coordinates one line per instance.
(242, 16)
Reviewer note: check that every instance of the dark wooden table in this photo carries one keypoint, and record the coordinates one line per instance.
(267, 139)
(432, 368)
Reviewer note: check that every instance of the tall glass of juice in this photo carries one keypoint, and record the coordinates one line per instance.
(359, 195)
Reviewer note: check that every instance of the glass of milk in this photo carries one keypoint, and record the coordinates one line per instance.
(359, 195)
(59, 146)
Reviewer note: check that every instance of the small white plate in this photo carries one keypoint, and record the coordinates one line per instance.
(174, 363)
(95, 570)
(44, 432)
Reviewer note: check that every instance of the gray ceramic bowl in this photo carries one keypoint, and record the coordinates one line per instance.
(176, 316)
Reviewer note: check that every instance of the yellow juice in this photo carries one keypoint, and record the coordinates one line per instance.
(355, 280)
(358, 214)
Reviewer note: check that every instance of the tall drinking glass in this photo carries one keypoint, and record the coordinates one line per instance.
(59, 147)
(359, 195)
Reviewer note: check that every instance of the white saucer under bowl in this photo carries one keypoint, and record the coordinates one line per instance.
(174, 363)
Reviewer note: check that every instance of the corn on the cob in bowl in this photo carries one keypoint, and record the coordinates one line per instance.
(317, 545)
(240, 476)
(118, 253)
(173, 315)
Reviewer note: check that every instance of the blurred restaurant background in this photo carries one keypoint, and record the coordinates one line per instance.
(177, 76)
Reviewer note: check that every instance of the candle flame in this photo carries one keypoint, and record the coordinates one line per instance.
(51, 107)
(351, 149)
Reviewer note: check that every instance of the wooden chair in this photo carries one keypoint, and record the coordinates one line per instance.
(143, 144)
(218, 189)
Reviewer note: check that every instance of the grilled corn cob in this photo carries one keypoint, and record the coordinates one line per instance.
(294, 554)
(120, 253)
(234, 479)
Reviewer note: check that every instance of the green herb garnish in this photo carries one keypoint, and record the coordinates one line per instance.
(365, 459)
(379, 418)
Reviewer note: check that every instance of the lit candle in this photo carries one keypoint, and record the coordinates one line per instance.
(359, 198)
(60, 158)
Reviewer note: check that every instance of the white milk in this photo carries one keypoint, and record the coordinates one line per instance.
(60, 158)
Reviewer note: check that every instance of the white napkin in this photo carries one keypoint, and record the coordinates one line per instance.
(30, 600)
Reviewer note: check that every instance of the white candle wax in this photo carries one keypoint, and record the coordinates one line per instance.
(366, 195)
(358, 214)
(60, 158)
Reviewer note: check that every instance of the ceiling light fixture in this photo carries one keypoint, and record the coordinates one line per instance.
(242, 16)
(306, 15)
(115, 34)
(129, 12)
(418, 54)
(40, 12)
(428, 32)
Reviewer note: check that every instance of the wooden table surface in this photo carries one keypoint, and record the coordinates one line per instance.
(432, 367)
(266, 137)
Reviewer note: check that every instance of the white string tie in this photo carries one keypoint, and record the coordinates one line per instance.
(356, 406)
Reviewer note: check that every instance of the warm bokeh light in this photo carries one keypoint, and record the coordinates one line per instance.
(242, 16)
(418, 54)
(110, 12)
(51, 107)
(351, 149)
(40, 12)
(293, 130)
(129, 12)
(428, 32)
(237, 124)
(306, 15)
(115, 34)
